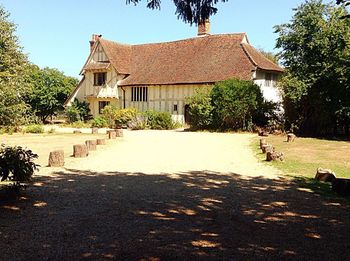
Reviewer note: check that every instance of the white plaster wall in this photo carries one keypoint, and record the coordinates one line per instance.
(271, 92)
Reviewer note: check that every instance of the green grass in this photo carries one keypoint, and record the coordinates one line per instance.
(303, 156)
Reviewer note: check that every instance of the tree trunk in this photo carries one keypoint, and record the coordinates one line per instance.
(91, 144)
(56, 158)
(80, 151)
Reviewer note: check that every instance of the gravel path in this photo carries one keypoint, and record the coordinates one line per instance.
(165, 195)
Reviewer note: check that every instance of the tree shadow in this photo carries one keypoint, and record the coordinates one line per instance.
(188, 215)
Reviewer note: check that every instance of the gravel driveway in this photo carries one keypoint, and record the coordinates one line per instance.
(167, 195)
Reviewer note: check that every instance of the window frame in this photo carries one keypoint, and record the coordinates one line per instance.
(100, 108)
(139, 94)
(100, 81)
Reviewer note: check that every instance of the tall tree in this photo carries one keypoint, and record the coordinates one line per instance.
(316, 53)
(14, 82)
(345, 3)
(189, 11)
(50, 89)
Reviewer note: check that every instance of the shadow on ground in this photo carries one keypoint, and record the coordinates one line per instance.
(192, 215)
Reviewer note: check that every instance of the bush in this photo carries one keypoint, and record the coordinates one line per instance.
(159, 120)
(16, 164)
(99, 122)
(139, 122)
(235, 102)
(34, 128)
(78, 111)
(79, 124)
(201, 109)
(109, 114)
(123, 116)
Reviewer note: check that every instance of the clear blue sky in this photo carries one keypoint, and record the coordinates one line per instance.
(55, 33)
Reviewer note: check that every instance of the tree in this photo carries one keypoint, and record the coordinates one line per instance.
(269, 55)
(345, 3)
(14, 82)
(50, 89)
(316, 55)
(189, 11)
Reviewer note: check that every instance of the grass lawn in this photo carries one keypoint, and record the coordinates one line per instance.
(303, 156)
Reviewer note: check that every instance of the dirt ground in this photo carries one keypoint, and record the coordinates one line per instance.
(170, 195)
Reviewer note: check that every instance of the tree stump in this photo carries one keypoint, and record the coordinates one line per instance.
(262, 142)
(341, 186)
(266, 147)
(101, 142)
(80, 151)
(290, 137)
(56, 158)
(77, 131)
(119, 132)
(270, 156)
(325, 175)
(94, 130)
(112, 134)
(91, 144)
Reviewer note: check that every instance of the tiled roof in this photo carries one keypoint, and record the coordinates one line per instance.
(118, 54)
(97, 66)
(204, 59)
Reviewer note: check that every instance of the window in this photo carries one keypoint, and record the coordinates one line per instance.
(139, 94)
(101, 105)
(268, 79)
(175, 107)
(100, 78)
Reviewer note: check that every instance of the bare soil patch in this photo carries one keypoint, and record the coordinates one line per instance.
(172, 196)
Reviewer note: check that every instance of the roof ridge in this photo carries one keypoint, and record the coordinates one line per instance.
(180, 40)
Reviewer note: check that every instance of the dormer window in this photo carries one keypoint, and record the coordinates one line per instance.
(100, 78)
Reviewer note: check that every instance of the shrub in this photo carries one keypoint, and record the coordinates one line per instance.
(99, 122)
(140, 122)
(235, 102)
(51, 130)
(16, 164)
(159, 120)
(78, 111)
(109, 113)
(34, 128)
(201, 109)
(123, 116)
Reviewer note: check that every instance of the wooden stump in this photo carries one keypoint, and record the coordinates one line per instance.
(325, 175)
(290, 137)
(274, 156)
(77, 131)
(94, 130)
(262, 142)
(341, 186)
(56, 158)
(101, 142)
(266, 147)
(80, 151)
(119, 132)
(91, 144)
(112, 134)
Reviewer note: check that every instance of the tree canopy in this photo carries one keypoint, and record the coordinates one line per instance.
(316, 54)
(189, 11)
(13, 74)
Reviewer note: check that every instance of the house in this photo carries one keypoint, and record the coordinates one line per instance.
(159, 76)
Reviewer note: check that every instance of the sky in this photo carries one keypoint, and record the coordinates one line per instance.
(56, 33)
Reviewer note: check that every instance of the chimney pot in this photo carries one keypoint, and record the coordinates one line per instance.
(204, 27)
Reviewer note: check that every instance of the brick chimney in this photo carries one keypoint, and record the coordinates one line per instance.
(204, 28)
(93, 40)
